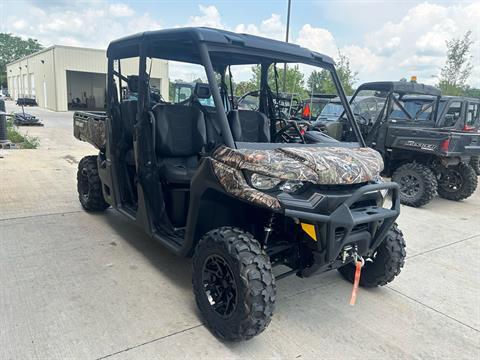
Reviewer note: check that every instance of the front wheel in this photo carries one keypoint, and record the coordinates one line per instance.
(418, 184)
(233, 284)
(384, 265)
(457, 182)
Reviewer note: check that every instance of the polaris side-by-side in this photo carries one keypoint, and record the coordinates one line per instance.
(217, 183)
(418, 132)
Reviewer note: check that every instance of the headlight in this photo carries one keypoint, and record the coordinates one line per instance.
(291, 186)
(268, 183)
(264, 182)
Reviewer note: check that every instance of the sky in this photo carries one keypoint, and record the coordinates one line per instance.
(384, 40)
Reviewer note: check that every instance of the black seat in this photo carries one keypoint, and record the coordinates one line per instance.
(180, 138)
(249, 126)
(214, 137)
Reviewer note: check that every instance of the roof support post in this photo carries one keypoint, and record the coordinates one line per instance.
(221, 115)
(346, 105)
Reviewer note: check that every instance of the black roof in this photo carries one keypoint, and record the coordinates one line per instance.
(179, 44)
(401, 87)
(443, 98)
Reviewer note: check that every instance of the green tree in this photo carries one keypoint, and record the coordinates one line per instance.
(320, 82)
(243, 87)
(472, 92)
(458, 68)
(294, 79)
(13, 48)
(346, 74)
(295, 82)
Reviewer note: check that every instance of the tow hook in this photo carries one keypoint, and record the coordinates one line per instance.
(351, 252)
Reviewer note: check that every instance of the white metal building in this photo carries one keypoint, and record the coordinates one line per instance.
(64, 77)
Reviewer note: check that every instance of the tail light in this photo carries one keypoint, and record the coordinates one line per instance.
(468, 128)
(445, 145)
(306, 111)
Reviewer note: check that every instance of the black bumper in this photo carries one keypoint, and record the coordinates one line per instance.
(363, 226)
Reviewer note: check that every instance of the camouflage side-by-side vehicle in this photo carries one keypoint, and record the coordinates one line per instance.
(208, 180)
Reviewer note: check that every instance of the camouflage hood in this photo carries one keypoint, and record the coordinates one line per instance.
(318, 165)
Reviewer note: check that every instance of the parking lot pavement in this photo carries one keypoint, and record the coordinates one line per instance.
(79, 285)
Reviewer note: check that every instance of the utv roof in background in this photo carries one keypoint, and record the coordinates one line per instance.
(401, 87)
(227, 48)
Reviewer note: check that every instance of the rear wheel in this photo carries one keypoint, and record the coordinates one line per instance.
(89, 185)
(385, 264)
(457, 182)
(418, 184)
(233, 284)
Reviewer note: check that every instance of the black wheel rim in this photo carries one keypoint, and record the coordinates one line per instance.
(219, 285)
(84, 185)
(409, 185)
(453, 181)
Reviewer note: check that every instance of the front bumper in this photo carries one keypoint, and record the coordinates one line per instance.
(351, 223)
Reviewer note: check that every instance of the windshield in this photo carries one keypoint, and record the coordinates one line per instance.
(417, 109)
(332, 110)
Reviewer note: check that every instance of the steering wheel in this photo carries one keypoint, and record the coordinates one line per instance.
(282, 135)
(364, 120)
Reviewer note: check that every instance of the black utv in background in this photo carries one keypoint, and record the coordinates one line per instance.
(422, 139)
(217, 183)
(462, 114)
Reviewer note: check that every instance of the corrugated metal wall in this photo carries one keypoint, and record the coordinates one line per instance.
(38, 69)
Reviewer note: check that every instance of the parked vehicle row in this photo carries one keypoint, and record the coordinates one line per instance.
(251, 186)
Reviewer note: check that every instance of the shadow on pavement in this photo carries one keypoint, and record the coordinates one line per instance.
(178, 269)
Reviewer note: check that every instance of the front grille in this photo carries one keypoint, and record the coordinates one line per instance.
(340, 232)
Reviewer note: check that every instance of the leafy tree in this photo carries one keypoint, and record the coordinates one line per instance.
(317, 80)
(294, 79)
(346, 74)
(13, 48)
(457, 68)
(472, 92)
(320, 82)
(244, 87)
(295, 83)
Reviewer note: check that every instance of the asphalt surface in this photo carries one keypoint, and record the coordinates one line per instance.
(85, 286)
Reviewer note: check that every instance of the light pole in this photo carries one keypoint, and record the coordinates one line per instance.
(286, 40)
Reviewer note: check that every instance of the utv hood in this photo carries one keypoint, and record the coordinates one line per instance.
(318, 165)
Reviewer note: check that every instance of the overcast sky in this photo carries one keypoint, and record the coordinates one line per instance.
(384, 40)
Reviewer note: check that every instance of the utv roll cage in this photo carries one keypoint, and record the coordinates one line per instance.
(215, 50)
(394, 92)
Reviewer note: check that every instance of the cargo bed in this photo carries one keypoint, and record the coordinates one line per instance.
(89, 126)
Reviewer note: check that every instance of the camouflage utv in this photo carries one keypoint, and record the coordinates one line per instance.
(217, 183)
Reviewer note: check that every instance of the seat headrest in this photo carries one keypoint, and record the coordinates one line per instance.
(202, 91)
(132, 82)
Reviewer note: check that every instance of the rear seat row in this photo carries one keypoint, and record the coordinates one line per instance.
(181, 134)
(246, 125)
